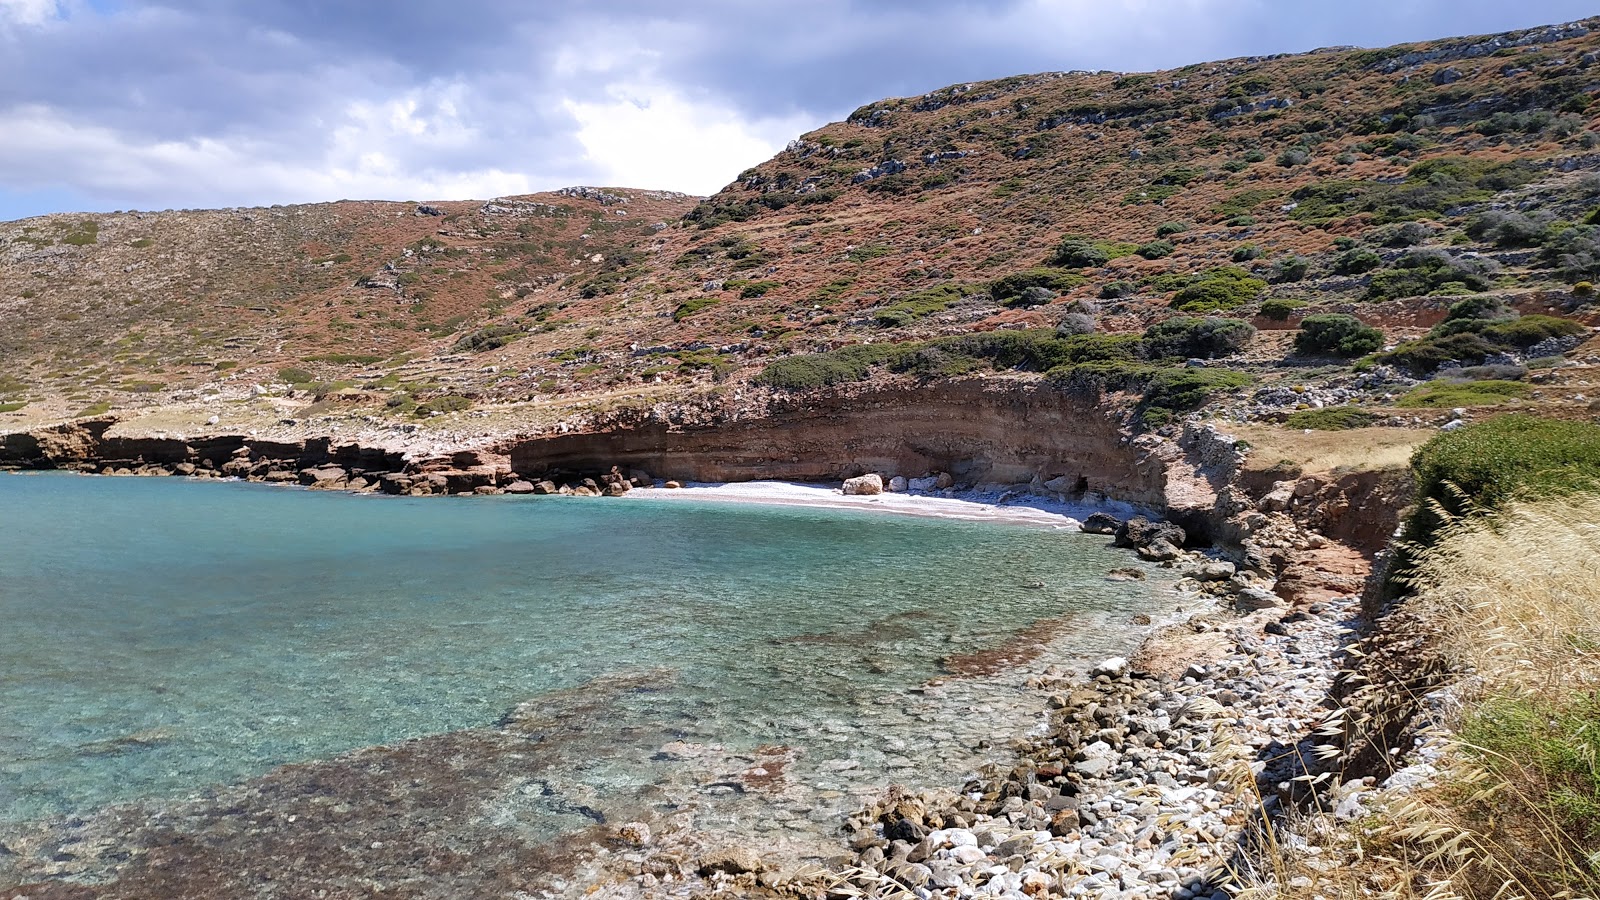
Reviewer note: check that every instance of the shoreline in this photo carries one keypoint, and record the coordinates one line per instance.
(1010, 506)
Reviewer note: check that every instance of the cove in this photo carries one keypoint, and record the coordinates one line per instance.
(166, 636)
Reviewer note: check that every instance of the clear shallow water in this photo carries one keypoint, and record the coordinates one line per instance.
(163, 635)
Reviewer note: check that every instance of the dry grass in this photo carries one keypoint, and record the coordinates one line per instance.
(1321, 452)
(1514, 598)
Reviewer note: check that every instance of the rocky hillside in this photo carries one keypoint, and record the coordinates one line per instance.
(1386, 183)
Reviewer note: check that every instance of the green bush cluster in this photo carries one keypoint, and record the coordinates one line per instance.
(1337, 334)
(1430, 187)
(814, 370)
(921, 304)
(1486, 464)
(1012, 290)
(693, 305)
(1279, 309)
(1468, 336)
(1226, 287)
(1421, 272)
(1188, 337)
(488, 338)
(1081, 253)
(1449, 394)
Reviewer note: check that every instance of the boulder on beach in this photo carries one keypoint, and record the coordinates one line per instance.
(897, 484)
(863, 485)
(520, 487)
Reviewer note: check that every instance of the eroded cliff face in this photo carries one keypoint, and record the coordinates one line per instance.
(979, 431)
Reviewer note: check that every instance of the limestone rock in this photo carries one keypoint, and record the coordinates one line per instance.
(1101, 523)
(635, 833)
(897, 484)
(731, 860)
(1254, 598)
(1159, 550)
(520, 487)
(1141, 532)
(863, 485)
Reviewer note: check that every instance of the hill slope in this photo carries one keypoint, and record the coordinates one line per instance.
(1356, 180)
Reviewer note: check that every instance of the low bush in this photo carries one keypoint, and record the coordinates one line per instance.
(1155, 249)
(294, 375)
(1427, 355)
(814, 370)
(1331, 418)
(1337, 334)
(1421, 272)
(1217, 289)
(1167, 229)
(1290, 269)
(1449, 394)
(1187, 337)
(693, 305)
(1280, 309)
(1011, 289)
(1116, 290)
(489, 338)
(1356, 261)
(1485, 465)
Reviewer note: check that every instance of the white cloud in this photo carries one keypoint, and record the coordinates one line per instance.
(651, 136)
(44, 148)
(28, 12)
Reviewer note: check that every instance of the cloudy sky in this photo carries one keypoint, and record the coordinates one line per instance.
(126, 104)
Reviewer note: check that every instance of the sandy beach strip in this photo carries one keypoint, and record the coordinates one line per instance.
(1008, 507)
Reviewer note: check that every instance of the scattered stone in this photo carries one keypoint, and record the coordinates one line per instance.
(730, 860)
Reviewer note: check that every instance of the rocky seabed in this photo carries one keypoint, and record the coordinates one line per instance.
(1142, 786)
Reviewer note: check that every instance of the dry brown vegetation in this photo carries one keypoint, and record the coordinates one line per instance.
(900, 223)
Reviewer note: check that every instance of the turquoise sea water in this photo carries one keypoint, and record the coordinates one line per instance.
(162, 635)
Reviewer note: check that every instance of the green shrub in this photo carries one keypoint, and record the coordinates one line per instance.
(1116, 290)
(1012, 288)
(1280, 309)
(1290, 269)
(1218, 289)
(1419, 272)
(1331, 418)
(1337, 334)
(294, 375)
(445, 403)
(1166, 229)
(1246, 253)
(1180, 389)
(1448, 394)
(693, 305)
(488, 338)
(750, 290)
(1427, 355)
(1526, 331)
(1557, 740)
(1078, 253)
(1356, 261)
(1431, 187)
(1488, 463)
(1155, 249)
(814, 370)
(921, 304)
(1187, 337)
